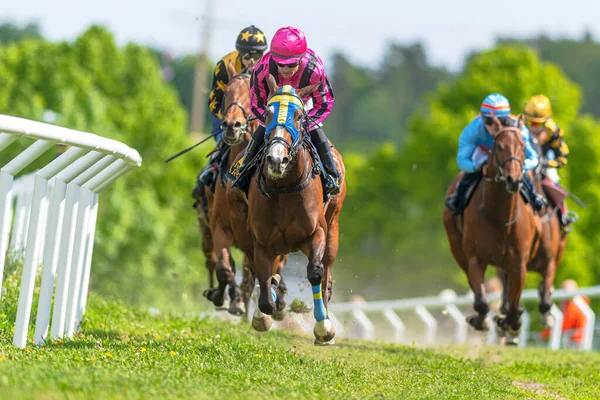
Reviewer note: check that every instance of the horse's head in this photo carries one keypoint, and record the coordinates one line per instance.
(236, 103)
(285, 110)
(508, 155)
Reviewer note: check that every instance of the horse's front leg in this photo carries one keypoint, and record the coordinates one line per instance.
(476, 273)
(324, 330)
(279, 314)
(511, 325)
(264, 294)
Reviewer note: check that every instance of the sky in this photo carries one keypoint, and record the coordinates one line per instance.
(360, 29)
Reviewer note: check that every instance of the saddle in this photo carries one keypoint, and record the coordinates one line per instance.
(233, 173)
(477, 179)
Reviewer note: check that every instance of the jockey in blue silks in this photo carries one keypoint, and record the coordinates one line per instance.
(474, 144)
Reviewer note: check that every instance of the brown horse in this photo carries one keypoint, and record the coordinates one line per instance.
(214, 215)
(550, 251)
(499, 229)
(219, 237)
(286, 210)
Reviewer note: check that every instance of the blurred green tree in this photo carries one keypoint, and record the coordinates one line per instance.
(147, 242)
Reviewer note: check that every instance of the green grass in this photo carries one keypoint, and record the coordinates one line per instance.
(124, 354)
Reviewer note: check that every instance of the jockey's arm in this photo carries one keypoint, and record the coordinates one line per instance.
(259, 92)
(467, 143)
(220, 80)
(561, 152)
(322, 101)
(531, 156)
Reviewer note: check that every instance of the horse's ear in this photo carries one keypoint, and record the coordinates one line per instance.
(306, 90)
(273, 88)
(521, 121)
(496, 124)
(298, 118)
(231, 70)
(268, 114)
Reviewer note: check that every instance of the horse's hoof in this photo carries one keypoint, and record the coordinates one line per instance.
(279, 315)
(511, 340)
(262, 324)
(547, 320)
(237, 308)
(500, 332)
(479, 323)
(213, 296)
(319, 343)
(324, 331)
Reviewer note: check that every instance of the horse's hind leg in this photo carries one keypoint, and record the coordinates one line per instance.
(237, 306)
(207, 248)
(545, 289)
(281, 290)
(247, 282)
(476, 273)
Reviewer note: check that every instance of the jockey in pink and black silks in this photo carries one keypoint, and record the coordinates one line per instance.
(292, 63)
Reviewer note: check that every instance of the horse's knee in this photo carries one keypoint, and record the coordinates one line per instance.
(314, 273)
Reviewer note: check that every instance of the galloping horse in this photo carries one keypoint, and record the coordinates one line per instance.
(213, 212)
(550, 251)
(499, 229)
(214, 218)
(286, 208)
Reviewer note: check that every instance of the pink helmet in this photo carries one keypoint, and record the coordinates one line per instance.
(288, 45)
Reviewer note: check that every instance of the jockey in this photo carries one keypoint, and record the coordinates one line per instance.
(250, 45)
(292, 63)
(471, 158)
(554, 150)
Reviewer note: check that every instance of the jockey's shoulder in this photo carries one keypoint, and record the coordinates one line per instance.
(234, 57)
(553, 127)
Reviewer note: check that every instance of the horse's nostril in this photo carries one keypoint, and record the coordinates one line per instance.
(285, 160)
(237, 124)
(224, 125)
(269, 158)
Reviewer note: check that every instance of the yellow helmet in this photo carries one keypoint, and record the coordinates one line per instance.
(538, 108)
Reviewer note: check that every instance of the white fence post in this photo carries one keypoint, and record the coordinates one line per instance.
(423, 305)
(590, 319)
(59, 234)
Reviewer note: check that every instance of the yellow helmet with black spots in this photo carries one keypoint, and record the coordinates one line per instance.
(538, 109)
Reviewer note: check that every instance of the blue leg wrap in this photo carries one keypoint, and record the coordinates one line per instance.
(319, 308)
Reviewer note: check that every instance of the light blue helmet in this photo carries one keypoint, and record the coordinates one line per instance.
(495, 104)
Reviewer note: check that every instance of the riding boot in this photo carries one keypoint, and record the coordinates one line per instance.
(331, 176)
(239, 170)
(209, 172)
(566, 218)
(456, 201)
(537, 201)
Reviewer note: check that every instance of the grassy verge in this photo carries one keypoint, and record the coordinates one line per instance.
(124, 354)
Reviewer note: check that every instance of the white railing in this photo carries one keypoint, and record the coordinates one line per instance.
(421, 306)
(54, 218)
